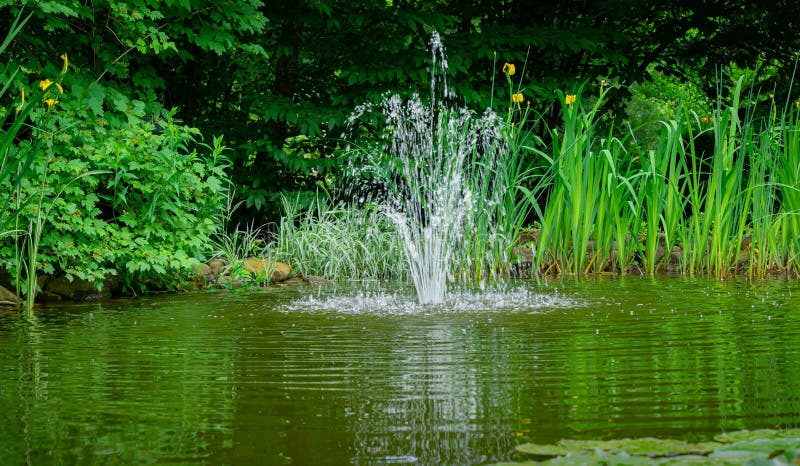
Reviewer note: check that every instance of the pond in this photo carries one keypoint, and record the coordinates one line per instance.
(358, 374)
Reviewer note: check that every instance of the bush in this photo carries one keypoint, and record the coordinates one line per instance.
(122, 190)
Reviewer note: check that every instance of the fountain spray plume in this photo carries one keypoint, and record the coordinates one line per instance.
(431, 161)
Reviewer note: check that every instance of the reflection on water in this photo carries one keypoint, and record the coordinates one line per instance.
(310, 376)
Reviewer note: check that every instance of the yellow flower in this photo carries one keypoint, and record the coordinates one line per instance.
(509, 69)
(602, 83)
(60, 89)
(66, 62)
(45, 84)
(517, 98)
(570, 99)
(50, 102)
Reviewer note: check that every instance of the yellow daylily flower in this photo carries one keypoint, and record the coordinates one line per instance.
(509, 69)
(50, 102)
(45, 84)
(517, 98)
(66, 62)
(570, 99)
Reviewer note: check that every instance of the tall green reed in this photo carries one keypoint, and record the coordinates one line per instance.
(659, 194)
(787, 180)
(718, 197)
(618, 214)
(577, 169)
(766, 227)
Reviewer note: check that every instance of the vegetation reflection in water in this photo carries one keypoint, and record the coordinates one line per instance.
(257, 378)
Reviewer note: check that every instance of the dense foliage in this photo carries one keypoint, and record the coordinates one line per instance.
(118, 155)
(279, 78)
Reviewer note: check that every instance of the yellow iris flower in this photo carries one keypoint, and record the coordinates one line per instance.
(517, 98)
(509, 69)
(570, 99)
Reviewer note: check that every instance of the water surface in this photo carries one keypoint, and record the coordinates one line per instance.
(361, 375)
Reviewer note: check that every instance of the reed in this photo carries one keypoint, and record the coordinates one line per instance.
(734, 209)
(579, 174)
(660, 195)
(786, 179)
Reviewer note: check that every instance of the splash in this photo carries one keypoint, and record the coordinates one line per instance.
(391, 301)
(432, 162)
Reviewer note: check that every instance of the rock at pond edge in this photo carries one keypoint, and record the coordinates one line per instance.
(77, 289)
(7, 298)
(259, 268)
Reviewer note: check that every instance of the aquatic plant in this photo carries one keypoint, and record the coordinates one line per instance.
(232, 243)
(732, 209)
(348, 242)
(765, 446)
(585, 193)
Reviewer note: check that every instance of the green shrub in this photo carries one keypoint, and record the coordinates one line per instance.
(125, 189)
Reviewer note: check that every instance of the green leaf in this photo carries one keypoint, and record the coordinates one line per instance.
(57, 8)
(97, 94)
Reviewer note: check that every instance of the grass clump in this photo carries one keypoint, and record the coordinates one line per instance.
(355, 242)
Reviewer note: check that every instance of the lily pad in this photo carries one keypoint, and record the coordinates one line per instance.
(598, 459)
(647, 446)
(548, 451)
(695, 460)
(765, 446)
(741, 435)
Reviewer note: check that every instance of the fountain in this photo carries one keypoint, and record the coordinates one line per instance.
(434, 161)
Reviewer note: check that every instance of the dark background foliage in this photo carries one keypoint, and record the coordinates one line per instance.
(279, 78)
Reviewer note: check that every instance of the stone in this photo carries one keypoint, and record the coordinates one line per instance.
(76, 290)
(48, 297)
(6, 279)
(259, 268)
(280, 272)
(7, 298)
(528, 237)
(112, 286)
(316, 280)
(203, 270)
(522, 254)
(217, 266)
(230, 282)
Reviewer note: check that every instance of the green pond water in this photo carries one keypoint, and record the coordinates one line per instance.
(358, 374)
